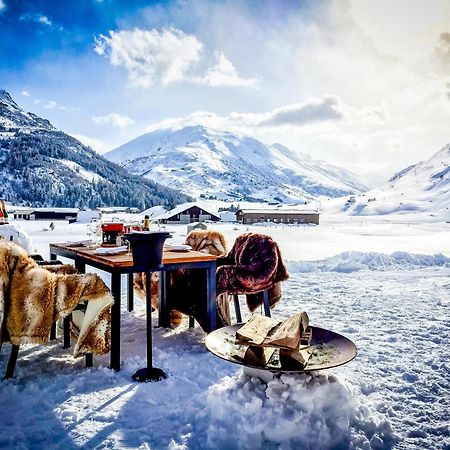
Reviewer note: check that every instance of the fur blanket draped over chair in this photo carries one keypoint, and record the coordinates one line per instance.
(32, 298)
(252, 265)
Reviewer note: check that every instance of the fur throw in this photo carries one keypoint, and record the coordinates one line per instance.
(33, 298)
(207, 241)
(252, 265)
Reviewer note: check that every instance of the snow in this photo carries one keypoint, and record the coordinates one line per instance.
(219, 164)
(154, 212)
(15, 233)
(418, 193)
(86, 174)
(382, 283)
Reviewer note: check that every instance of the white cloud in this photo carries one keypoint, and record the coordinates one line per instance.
(224, 74)
(25, 93)
(114, 119)
(314, 112)
(327, 108)
(51, 104)
(37, 101)
(2, 6)
(44, 20)
(164, 57)
(151, 56)
(36, 18)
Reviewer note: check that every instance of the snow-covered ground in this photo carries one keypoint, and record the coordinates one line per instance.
(383, 284)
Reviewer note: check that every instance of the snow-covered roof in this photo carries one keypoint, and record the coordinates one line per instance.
(154, 212)
(183, 207)
(56, 210)
(279, 211)
(107, 209)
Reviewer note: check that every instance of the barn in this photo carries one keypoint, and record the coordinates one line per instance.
(188, 213)
(285, 216)
(46, 214)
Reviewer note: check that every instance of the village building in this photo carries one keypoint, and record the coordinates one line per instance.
(188, 213)
(47, 214)
(118, 209)
(279, 215)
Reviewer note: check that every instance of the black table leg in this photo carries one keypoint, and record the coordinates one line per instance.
(164, 310)
(89, 359)
(211, 304)
(80, 266)
(130, 292)
(12, 361)
(53, 332)
(66, 331)
(149, 373)
(115, 321)
(266, 302)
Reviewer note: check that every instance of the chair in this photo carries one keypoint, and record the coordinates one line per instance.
(253, 267)
(185, 288)
(29, 291)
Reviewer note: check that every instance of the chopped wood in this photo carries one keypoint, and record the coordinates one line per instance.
(256, 329)
(289, 332)
(305, 339)
(258, 356)
(294, 359)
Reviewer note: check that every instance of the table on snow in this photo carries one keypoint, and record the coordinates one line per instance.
(120, 264)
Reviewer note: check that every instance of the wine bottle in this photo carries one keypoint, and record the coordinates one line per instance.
(146, 224)
(4, 212)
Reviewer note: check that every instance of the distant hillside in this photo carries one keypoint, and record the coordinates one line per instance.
(228, 166)
(422, 189)
(42, 166)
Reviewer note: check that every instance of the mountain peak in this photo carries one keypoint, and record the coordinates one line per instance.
(42, 166)
(6, 97)
(13, 117)
(222, 164)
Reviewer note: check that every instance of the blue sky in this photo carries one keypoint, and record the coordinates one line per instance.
(360, 84)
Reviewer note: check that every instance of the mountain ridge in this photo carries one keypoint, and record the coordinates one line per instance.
(420, 190)
(42, 166)
(231, 166)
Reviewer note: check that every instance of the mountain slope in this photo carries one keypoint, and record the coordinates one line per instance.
(224, 165)
(42, 166)
(422, 189)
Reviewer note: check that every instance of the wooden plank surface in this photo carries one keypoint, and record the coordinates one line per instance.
(126, 260)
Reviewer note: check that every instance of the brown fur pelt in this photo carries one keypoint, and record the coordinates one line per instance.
(33, 298)
(252, 265)
(61, 269)
(206, 241)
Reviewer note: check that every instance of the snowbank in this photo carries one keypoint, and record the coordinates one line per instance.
(306, 411)
(17, 235)
(353, 261)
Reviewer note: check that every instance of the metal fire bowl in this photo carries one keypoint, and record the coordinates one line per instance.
(330, 349)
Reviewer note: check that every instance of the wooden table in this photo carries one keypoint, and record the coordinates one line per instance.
(117, 265)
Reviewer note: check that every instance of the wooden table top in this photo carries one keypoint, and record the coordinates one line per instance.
(126, 260)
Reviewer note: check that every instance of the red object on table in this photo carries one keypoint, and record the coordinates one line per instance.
(112, 227)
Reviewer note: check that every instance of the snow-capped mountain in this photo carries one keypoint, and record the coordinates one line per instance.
(422, 189)
(229, 166)
(42, 166)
